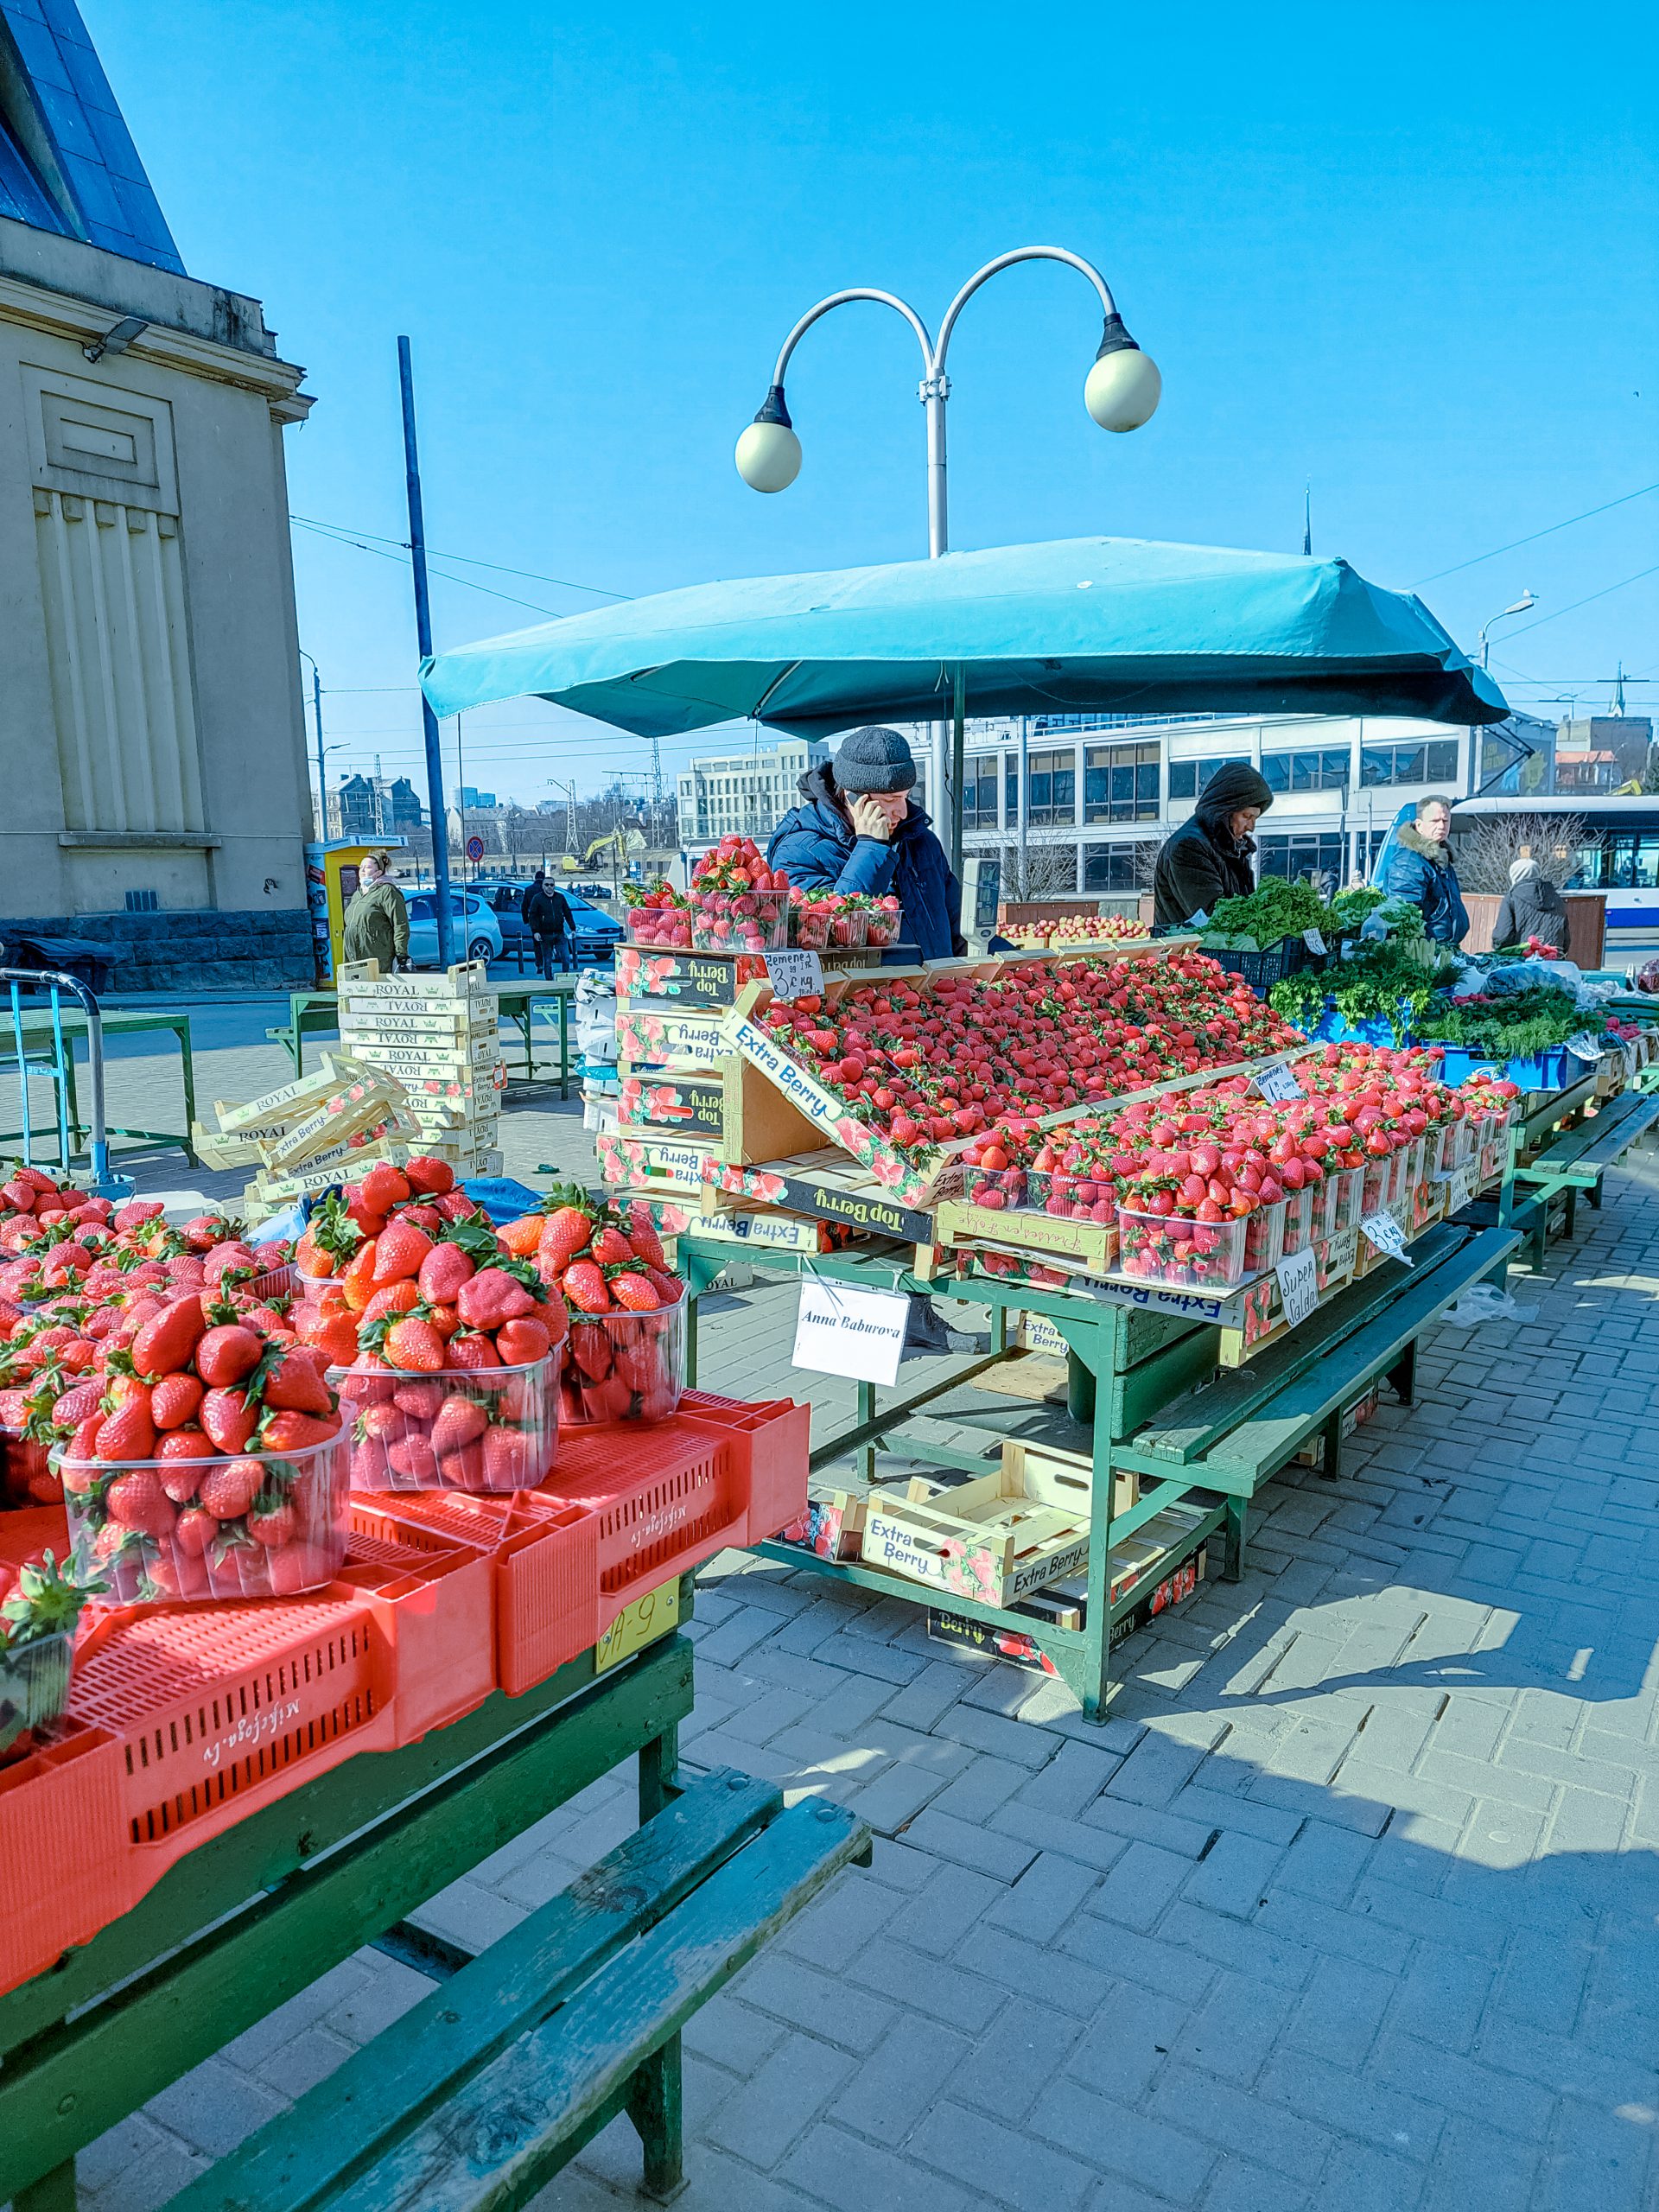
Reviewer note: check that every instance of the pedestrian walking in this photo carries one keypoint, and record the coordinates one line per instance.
(377, 919)
(546, 913)
(1531, 907)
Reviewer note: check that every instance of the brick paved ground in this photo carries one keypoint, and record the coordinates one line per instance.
(1352, 1902)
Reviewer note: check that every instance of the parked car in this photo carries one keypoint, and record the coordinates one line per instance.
(597, 935)
(471, 920)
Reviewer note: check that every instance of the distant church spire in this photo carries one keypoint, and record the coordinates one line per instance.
(1616, 704)
(1307, 518)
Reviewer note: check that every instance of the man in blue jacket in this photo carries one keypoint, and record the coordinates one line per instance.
(858, 830)
(1419, 868)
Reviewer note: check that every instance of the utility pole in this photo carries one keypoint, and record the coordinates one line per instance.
(460, 798)
(317, 714)
(424, 640)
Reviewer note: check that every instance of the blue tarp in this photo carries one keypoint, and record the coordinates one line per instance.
(1090, 624)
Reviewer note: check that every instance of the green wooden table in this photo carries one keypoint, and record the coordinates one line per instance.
(315, 1013)
(257, 1914)
(39, 1057)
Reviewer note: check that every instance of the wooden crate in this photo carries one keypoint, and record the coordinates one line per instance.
(823, 1182)
(832, 1526)
(995, 1538)
(1263, 1319)
(1090, 1244)
(679, 1042)
(652, 1168)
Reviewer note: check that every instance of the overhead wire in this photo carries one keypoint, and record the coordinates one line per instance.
(1532, 537)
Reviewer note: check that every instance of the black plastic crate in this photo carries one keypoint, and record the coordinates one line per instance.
(1261, 970)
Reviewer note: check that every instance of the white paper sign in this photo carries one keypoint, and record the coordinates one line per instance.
(794, 975)
(1459, 1189)
(1313, 941)
(1386, 1235)
(1583, 1046)
(858, 1334)
(1277, 1085)
(1298, 1286)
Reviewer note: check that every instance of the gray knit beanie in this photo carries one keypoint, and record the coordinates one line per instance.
(875, 759)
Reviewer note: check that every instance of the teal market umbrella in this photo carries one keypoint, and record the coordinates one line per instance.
(1116, 625)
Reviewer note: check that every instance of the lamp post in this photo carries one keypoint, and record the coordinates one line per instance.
(1121, 392)
(316, 712)
(1521, 605)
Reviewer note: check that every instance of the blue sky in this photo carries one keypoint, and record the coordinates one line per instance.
(1407, 253)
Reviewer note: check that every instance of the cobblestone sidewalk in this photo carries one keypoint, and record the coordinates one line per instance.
(1352, 1902)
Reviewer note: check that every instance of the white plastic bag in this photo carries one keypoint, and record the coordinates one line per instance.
(1485, 1302)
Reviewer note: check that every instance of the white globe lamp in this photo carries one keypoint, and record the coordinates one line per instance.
(1122, 389)
(769, 452)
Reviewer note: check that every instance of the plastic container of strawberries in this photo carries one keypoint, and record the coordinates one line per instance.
(663, 928)
(624, 1367)
(33, 1689)
(1175, 1248)
(826, 924)
(263, 1524)
(479, 1429)
(738, 921)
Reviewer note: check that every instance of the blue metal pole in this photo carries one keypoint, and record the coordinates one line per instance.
(424, 639)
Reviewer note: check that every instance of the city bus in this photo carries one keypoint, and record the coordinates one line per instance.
(1618, 854)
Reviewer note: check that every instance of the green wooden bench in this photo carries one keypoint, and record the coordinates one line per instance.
(482, 2093)
(1576, 1161)
(1240, 1428)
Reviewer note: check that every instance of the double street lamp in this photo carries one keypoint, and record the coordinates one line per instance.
(1121, 392)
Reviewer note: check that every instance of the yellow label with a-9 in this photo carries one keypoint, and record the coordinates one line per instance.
(637, 1624)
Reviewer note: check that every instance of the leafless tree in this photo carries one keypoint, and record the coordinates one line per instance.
(1486, 850)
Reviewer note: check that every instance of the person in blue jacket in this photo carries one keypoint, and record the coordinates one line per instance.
(858, 830)
(1419, 867)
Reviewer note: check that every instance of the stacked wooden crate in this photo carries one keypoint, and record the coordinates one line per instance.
(439, 1036)
(312, 1134)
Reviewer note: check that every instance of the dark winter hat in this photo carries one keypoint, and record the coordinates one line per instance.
(1236, 785)
(875, 759)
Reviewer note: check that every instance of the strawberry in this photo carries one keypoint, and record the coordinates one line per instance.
(667, 1287)
(470, 1351)
(443, 1271)
(383, 1187)
(554, 1316)
(611, 1247)
(424, 1216)
(369, 1465)
(492, 1297)
(358, 1278)
(293, 1384)
(400, 1297)
(227, 1492)
(642, 1236)
(229, 1419)
(175, 1400)
(296, 1432)
(606, 1401)
(424, 1173)
(225, 1354)
(632, 1292)
(193, 1531)
(137, 1501)
(128, 1434)
(518, 1343)
(136, 1210)
(456, 1205)
(463, 1470)
(72, 1407)
(333, 1335)
(523, 1235)
(585, 1288)
(399, 1251)
(185, 1444)
(510, 1457)
(182, 1478)
(83, 1445)
(414, 1345)
(414, 1460)
(458, 1421)
(274, 1524)
(590, 1351)
(565, 1233)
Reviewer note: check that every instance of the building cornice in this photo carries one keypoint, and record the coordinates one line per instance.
(62, 315)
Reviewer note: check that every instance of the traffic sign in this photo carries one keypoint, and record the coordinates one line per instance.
(474, 848)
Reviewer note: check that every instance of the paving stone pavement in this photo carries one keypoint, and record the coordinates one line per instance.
(1353, 1900)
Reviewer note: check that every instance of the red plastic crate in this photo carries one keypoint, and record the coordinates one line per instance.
(439, 1598)
(773, 1438)
(66, 1866)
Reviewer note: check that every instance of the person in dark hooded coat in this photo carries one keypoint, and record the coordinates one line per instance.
(1532, 907)
(1209, 857)
(858, 830)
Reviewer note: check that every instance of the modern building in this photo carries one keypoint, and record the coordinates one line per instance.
(467, 795)
(1101, 791)
(150, 711)
(374, 806)
(747, 793)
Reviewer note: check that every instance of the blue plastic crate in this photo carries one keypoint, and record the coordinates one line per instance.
(1551, 1070)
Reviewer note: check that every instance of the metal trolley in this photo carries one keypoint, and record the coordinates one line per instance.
(48, 1048)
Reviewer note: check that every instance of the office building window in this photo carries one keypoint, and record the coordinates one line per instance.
(1434, 762)
(1121, 783)
(1325, 770)
(1109, 868)
(978, 792)
(1188, 778)
(1324, 854)
(1053, 787)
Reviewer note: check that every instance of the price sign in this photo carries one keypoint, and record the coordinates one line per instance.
(1298, 1286)
(1277, 1085)
(795, 975)
(1583, 1046)
(1459, 1189)
(1386, 1235)
(1313, 941)
(857, 1333)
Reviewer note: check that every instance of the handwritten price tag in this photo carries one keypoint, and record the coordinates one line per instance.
(857, 1333)
(1314, 942)
(1583, 1046)
(1386, 1235)
(1459, 1189)
(1277, 1085)
(1298, 1287)
(794, 975)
